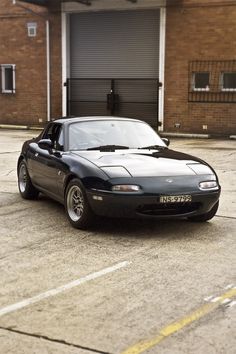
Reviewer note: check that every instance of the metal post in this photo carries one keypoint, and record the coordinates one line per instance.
(112, 97)
(67, 97)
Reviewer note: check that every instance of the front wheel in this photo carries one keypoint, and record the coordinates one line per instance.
(78, 210)
(26, 188)
(206, 216)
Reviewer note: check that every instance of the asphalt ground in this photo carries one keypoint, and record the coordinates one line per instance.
(124, 286)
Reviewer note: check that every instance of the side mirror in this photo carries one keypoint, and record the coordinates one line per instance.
(166, 141)
(45, 144)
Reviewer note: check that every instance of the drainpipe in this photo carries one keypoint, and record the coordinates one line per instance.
(48, 71)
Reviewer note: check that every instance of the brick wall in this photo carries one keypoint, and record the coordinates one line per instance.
(56, 64)
(29, 104)
(197, 30)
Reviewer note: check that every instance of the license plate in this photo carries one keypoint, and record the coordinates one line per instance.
(175, 198)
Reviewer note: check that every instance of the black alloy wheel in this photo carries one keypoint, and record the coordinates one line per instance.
(77, 207)
(26, 188)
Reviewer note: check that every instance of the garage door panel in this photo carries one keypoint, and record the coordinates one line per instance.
(95, 90)
(114, 64)
(142, 111)
(115, 44)
(83, 109)
(137, 90)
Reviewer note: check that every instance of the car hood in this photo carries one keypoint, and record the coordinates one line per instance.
(146, 163)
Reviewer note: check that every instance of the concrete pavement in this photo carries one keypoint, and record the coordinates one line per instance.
(173, 269)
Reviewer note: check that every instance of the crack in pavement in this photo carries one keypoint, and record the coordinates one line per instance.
(8, 173)
(223, 170)
(15, 211)
(60, 341)
(9, 152)
(4, 192)
(31, 246)
(226, 217)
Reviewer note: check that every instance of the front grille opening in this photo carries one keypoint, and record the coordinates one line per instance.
(168, 208)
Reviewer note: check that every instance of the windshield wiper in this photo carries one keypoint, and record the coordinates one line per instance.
(108, 147)
(153, 147)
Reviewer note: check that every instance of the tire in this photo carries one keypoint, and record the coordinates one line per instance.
(26, 188)
(77, 207)
(207, 216)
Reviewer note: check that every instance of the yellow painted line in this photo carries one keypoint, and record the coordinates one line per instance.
(177, 326)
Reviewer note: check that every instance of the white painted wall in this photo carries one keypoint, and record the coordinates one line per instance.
(162, 67)
(65, 18)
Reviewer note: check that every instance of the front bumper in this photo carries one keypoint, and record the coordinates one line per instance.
(149, 206)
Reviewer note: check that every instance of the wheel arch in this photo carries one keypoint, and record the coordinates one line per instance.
(21, 158)
(68, 179)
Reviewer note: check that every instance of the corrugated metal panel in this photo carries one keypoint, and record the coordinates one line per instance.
(115, 44)
(136, 98)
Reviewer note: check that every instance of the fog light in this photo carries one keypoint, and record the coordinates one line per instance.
(126, 188)
(208, 185)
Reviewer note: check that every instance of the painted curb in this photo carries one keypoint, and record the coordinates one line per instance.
(19, 127)
(186, 135)
(15, 127)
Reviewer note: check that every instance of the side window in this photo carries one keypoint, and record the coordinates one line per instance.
(55, 134)
(48, 132)
(60, 141)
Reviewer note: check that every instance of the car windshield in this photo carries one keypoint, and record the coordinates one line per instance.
(119, 134)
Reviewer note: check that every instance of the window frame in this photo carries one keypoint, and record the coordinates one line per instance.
(222, 88)
(3, 78)
(32, 26)
(193, 83)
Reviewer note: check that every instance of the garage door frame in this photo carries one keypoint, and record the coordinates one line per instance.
(66, 58)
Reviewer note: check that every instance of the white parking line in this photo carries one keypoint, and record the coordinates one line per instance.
(216, 299)
(209, 298)
(230, 286)
(62, 288)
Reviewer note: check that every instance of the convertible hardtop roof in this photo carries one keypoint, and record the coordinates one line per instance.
(68, 120)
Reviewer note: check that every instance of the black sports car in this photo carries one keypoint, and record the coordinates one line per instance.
(115, 167)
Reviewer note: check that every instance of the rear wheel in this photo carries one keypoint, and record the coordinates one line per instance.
(26, 188)
(78, 210)
(206, 216)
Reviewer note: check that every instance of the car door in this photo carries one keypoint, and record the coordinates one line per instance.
(46, 165)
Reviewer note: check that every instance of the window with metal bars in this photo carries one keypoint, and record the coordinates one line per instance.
(228, 81)
(212, 81)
